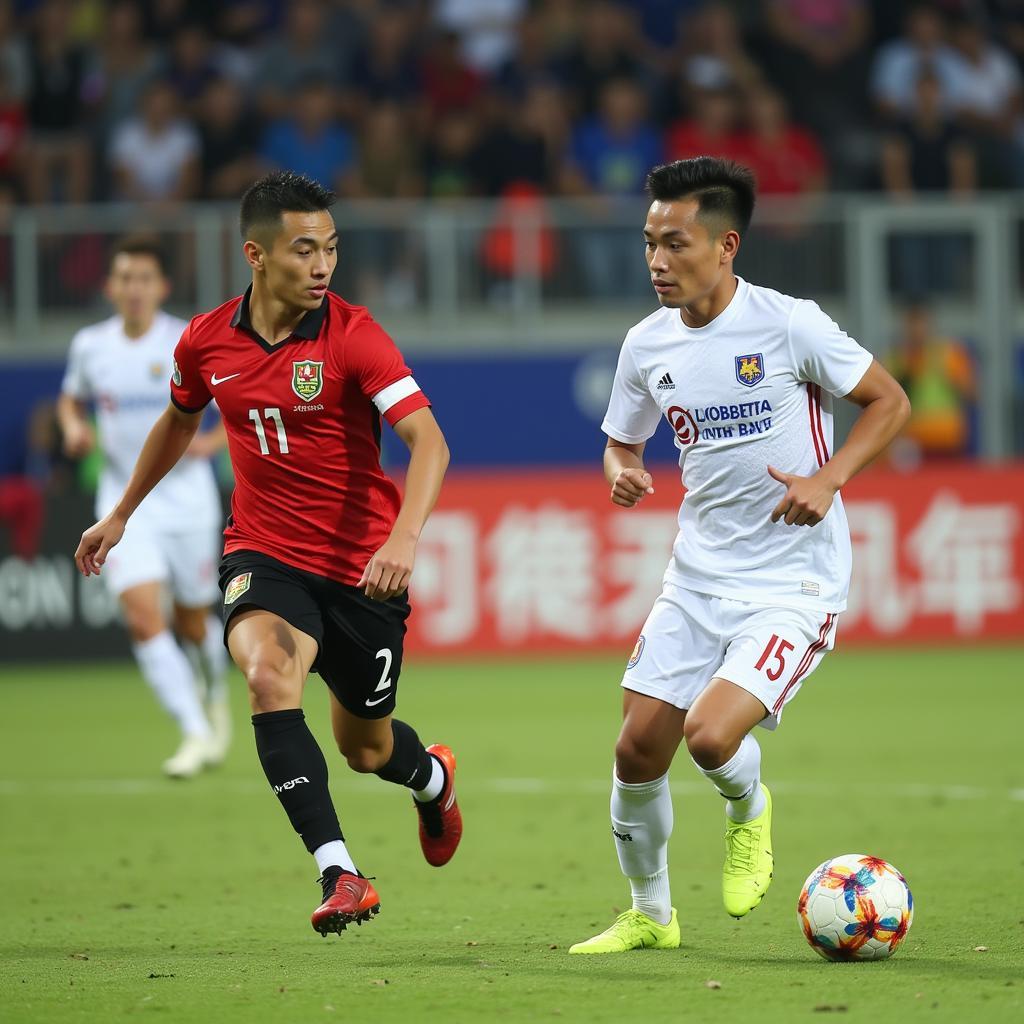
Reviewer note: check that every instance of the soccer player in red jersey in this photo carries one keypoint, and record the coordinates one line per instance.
(319, 546)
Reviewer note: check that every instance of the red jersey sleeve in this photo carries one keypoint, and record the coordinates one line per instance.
(373, 359)
(188, 389)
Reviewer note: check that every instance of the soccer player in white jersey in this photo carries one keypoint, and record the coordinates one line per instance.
(745, 377)
(122, 365)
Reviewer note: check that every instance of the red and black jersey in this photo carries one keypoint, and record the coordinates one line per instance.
(303, 420)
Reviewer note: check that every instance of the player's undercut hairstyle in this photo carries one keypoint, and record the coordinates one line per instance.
(274, 194)
(725, 190)
(140, 245)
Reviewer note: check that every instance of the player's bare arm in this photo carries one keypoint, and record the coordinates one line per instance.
(388, 572)
(167, 441)
(624, 470)
(885, 409)
(79, 436)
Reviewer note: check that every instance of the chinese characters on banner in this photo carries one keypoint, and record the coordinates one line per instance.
(542, 561)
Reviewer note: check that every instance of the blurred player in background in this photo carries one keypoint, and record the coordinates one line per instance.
(761, 565)
(122, 364)
(320, 545)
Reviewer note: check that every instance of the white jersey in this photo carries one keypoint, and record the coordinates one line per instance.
(754, 387)
(129, 381)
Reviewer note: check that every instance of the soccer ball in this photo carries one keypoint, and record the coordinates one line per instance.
(855, 907)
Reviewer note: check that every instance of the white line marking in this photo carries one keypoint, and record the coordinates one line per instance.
(493, 786)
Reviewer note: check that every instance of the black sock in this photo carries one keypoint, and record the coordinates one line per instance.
(295, 767)
(410, 765)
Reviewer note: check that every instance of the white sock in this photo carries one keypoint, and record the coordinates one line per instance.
(433, 788)
(166, 669)
(334, 853)
(641, 825)
(739, 781)
(214, 660)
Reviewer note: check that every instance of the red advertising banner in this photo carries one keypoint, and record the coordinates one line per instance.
(542, 561)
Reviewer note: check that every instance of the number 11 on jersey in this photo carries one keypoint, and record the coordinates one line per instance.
(261, 434)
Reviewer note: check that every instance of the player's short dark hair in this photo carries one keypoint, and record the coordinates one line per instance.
(277, 193)
(141, 245)
(725, 190)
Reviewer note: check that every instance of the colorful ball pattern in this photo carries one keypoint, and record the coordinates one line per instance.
(855, 907)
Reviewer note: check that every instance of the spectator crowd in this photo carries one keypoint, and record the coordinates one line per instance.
(170, 100)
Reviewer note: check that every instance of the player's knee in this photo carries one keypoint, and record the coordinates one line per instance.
(143, 623)
(365, 759)
(271, 686)
(709, 744)
(190, 628)
(636, 760)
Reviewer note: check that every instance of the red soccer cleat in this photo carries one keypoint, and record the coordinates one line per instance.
(440, 819)
(347, 898)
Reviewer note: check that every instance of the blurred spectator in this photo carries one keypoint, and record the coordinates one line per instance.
(192, 63)
(898, 64)
(155, 156)
(165, 17)
(305, 50)
(13, 54)
(784, 157)
(821, 61)
(713, 54)
(612, 152)
(530, 63)
(988, 99)
(57, 154)
(229, 135)
(310, 140)
(12, 133)
(447, 169)
(1006, 21)
(449, 84)
(387, 160)
(605, 50)
(711, 130)
(927, 153)
(120, 67)
(487, 29)
(662, 24)
(938, 376)
(524, 147)
(387, 67)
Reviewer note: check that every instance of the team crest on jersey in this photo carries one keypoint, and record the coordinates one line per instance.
(237, 587)
(750, 369)
(637, 651)
(176, 374)
(307, 378)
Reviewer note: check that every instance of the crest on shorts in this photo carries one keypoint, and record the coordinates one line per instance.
(307, 378)
(750, 369)
(237, 587)
(176, 374)
(637, 651)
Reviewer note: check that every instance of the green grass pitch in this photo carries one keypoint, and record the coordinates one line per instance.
(130, 897)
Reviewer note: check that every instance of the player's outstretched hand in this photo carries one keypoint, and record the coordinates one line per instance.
(78, 439)
(95, 543)
(807, 500)
(387, 573)
(630, 486)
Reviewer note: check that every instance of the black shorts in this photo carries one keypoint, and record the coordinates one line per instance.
(360, 640)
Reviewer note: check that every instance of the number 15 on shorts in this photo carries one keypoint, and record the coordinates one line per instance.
(776, 651)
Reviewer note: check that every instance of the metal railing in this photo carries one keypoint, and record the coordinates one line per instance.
(553, 274)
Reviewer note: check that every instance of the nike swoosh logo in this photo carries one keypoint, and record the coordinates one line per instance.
(215, 380)
(371, 703)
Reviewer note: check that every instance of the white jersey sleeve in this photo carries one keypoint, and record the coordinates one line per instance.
(633, 414)
(823, 352)
(76, 374)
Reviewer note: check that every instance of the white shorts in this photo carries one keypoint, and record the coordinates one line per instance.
(690, 638)
(185, 558)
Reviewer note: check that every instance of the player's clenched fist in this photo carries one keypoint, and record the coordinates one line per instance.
(807, 500)
(95, 543)
(630, 486)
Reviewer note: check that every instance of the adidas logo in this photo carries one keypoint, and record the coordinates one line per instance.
(666, 383)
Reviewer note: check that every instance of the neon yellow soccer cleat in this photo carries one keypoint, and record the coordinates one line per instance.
(748, 861)
(632, 930)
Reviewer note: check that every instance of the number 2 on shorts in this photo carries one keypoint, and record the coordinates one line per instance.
(780, 657)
